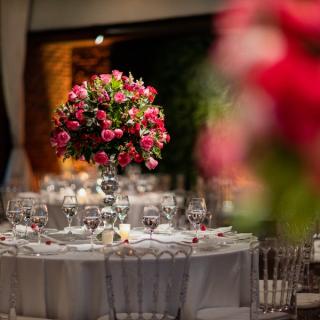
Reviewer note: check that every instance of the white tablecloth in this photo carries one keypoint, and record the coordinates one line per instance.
(58, 220)
(72, 286)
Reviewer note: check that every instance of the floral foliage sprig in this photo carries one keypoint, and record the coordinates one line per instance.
(112, 116)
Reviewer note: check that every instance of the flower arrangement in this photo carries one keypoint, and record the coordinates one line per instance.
(270, 51)
(112, 116)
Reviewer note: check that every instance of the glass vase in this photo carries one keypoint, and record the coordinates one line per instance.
(109, 185)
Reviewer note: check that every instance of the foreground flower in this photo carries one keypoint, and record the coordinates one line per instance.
(107, 135)
(124, 159)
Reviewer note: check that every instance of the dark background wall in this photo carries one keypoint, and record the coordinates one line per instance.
(169, 54)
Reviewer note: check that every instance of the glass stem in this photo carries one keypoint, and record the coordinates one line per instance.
(14, 232)
(91, 240)
(69, 225)
(39, 237)
(196, 230)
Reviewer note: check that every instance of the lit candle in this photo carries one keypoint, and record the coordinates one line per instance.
(107, 236)
(124, 229)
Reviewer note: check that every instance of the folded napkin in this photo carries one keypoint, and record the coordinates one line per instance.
(22, 229)
(84, 246)
(43, 248)
(11, 242)
(163, 228)
(74, 230)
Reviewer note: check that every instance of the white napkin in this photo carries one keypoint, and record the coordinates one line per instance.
(84, 246)
(44, 248)
(12, 242)
(22, 229)
(74, 230)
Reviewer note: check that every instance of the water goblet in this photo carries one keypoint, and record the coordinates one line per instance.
(150, 219)
(70, 209)
(196, 212)
(92, 220)
(27, 204)
(169, 207)
(121, 206)
(14, 214)
(108, 216)
(39, 218)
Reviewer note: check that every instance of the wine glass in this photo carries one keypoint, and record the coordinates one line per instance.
(39, 217)
(27, 204)
(91, 220)
(196, 212)
(169, 207)
(121, 206)
(70, 209)
(151, 219)
(14, 214)
(108, 216)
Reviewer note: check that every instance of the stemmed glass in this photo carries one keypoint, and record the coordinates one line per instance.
(70, 209)
(169, 207)
(39, 217)
(108, 216)
(27, 204)
(92, 220)
(121, 206)
(196, 212)
(14, 214)
(151, 219)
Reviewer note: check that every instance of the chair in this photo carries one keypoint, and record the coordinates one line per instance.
(274, 295)
(147, 280)
(12, 251)
(308, 300)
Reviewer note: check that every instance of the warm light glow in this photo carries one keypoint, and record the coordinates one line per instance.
(124, 229)
(99, 39)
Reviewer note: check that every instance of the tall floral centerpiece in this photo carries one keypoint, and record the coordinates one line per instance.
(110, 120)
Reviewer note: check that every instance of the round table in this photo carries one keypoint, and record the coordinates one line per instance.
(72, 285)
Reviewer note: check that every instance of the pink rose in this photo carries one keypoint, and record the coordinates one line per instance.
(133, 111)
(101, 115)
(146, 143)
(72, 96)
(73, 125)
(119, 97)
(106, 78)
(106, 124)
(168, 138)
(117, 74)
(118, 133)
(151, 163)
(83, 93)
(79, 115)
(159, 144)
(124, 159)
(101, 158)
(62, 139)
(107, 135)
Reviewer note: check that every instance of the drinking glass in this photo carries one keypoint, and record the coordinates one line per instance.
(121, 206)
(39, 217)
(27, 204)
(70, 209)
(14, 214)
(108, 216)
(196, 212)
(151, 219)
(91, 220)
(169, 207)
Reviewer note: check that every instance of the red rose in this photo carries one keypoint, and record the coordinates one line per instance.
(203, 227)
(62, 139)
(138, 158)
(107, 135)
(124, 159)
(146, 143)
(73, 125)
(101, 115)
(118, 133)
(195, 240)
(101, 158)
